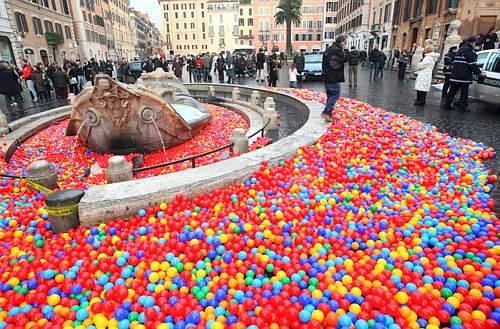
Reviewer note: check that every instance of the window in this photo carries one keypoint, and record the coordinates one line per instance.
(53, 5)
(178, 36)
(296, 37)
(65, 8)
(318, 37)
(329, 20)
(185, 36)
(309, 37)
(431, 7)
(176, 15)
(185, 26)
(184, 14)
(407, 10)
(303, 37)
(177, 26)
(387, 12)
(241, 11)
(192, 14)
(320, 24)
(481, 59)
(192, 25)
(37, 25)
(494, 63)
(48, 26)
(396, 15)
(249, 11)
(22, 24)
(241, 22)
(59, 29)
(417, 11)
(250, 22)
(194, 36)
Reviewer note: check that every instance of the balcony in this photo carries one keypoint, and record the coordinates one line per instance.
(375, 28)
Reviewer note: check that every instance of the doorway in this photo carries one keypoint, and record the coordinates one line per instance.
(414, 36)
(45, 57)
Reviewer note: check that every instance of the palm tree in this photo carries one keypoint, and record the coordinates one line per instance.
(288, 13)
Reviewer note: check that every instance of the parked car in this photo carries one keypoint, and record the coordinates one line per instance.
(313, 66)
(487, 89)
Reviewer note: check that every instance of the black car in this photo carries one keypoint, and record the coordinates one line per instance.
(313, 69)
(135, 71)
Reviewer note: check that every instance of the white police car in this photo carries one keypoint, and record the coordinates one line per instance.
(487, 88)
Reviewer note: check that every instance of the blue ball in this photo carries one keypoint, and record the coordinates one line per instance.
(82, 314)
(304, 316)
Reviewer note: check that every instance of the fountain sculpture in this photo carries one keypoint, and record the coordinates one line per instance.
(113, 117)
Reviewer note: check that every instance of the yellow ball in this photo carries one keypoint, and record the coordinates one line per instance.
(163, 206)
(355, 308)
(478, 315)
(401, 297)
(154, 277)
(100, 320)
(317, 315)
(53, 299)
(217, 325)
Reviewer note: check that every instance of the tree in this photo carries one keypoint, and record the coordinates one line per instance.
(288, 14)
(54, 40)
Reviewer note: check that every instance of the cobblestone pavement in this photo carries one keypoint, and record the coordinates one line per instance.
(481, 124)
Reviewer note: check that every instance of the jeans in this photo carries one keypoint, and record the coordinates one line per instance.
(81, 82)
(333, 94)
(353, 75)
(293, 84)
(31, 86)
(374, 70)
(199, 74)
(206, 73)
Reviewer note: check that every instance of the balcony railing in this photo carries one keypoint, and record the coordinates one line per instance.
(375, 28)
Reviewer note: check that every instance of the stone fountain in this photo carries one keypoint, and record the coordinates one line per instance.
(113, 117)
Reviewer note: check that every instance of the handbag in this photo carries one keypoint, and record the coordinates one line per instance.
(73, 81)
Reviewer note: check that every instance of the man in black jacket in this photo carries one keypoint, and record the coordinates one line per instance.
(448, 61)
(353, 66)
(9, 85)
(260, 60)
(464, 66)
(373, 57)
(490, 39)
(333, 72)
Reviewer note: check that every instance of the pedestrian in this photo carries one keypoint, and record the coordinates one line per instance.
(9, 85)
(448, 61)
(412, 52)
(353, 66)
(27, 71)
(119, 71)
(300, 62)
(260, 60)
(73, 80)
(91, 70)
(177, 67)
(61, 82)
(220, 66)
(333, 71)
(79, 74)
(463, 68)
(206, 67)
(229, 67)
(424, 74)
(200, 64)
(395, 57)
(374, 58)
(293, 73)
(109, 68)
(490, 39)
(273, 66)
(125, 70)
(381, 63)
(402, 63)
(362, 57)
(38, 76)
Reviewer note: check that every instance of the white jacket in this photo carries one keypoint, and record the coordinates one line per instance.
(424, 71)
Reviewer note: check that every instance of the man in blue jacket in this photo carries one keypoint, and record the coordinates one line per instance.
(448, 61)
(464, 66)
(333, 73)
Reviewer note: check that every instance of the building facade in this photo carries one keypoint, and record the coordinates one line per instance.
(9, 43)
(34, 22)
(330, 23)
(381, 23)
(121, 30)
(415, 21)
(223, 30)
(306, 36)
(146, 37)
(184, 26)
(353, 19)
(89, 24)
(245, 23)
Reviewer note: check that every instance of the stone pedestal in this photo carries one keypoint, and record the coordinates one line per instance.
(269, 104)
(236, 94)
(240, 140)
(254, 98)
(42, 174)
(119, 170)
(4, 129)
(211, 92)
(62, 207)
(271, 116)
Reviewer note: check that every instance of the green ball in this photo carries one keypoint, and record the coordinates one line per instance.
(133, 316)
(445, 292)
(269, 267)
(39, 243)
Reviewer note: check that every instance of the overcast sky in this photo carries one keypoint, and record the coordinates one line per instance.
(151, 7)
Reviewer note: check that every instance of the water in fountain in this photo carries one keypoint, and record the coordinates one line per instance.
(159, 134)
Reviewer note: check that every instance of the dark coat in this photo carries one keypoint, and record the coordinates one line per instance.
(489, 41)
(374, 55)
(261, 58)
(61, 79)
(448, 61)
(9, 83)
(300, 63)
(333, 63)
(177, 67)
(38, 79)
(464, 65)
(353, 57)
(381, 58)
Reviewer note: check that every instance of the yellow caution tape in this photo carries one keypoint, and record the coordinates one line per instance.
(37, 186)
(61, 211)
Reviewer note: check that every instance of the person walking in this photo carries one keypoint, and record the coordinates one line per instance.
(79, 74)
(490, 39)
(206, 67)
(300, 63)
(424, 74)
(395, 57)
(353, 66)
(109, 68)
(220, 66)
(199, 64)
(61, 82)
(402, 63)
(362, 57)
(293, 73)
(273, 66)
(192, 69)
(448, 61)
(333, 71)
(38, 77)
(373, 57)
(463, 68)
(177, 67)
(381, 63)
(73, 80)
(26, 72)
(229, 67)
(260, 60)
(9, 85)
